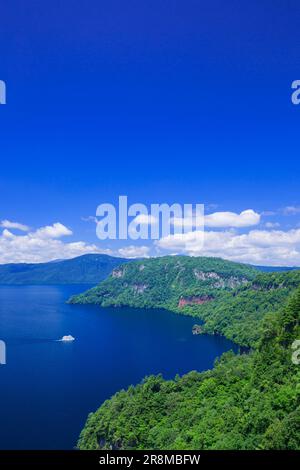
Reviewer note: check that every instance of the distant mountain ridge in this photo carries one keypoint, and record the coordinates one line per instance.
(85, 269)
(276, 269)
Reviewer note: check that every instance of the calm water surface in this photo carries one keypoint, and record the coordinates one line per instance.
(47, 387)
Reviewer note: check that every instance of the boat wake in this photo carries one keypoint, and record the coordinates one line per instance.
(67, 338)
(21, 341)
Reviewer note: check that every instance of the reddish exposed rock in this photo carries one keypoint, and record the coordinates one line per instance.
(194, 300)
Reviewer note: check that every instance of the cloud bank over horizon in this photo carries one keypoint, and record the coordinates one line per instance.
(261, 247)
(41, 245)
(238, 237)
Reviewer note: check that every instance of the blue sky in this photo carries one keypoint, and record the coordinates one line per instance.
(168, 101)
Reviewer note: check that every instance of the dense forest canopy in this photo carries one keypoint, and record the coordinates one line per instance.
(230, 298)
(160, 282)
(248, 401)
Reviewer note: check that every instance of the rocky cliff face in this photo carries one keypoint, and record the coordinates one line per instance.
(139, 288)
(218, 281)
(118, 272)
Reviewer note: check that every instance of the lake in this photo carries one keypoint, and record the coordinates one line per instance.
(47, 387)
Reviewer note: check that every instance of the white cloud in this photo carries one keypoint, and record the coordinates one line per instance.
(291, 210)
(7, 234)
(134, 251)
(141, 219)
(45, 244)
(272, 224)
(56, 230)
(246, 218)
(14, 225)
(268, 246)
(211, 206)
(90, 218)
(188, 222)
(144, 219)
(273, 247)
(268, 213)
(42, 245)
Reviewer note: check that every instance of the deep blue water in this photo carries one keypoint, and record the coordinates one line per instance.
(47, 388)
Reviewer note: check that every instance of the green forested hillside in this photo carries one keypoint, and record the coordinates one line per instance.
(161, 282)
(230, 298)
(239, 314)
(86, 269)
(246, 402)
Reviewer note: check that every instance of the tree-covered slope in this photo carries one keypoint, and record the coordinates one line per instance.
(162, 282)
(246, 402)
(239, 314)
(230, 298)
(86, 269)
